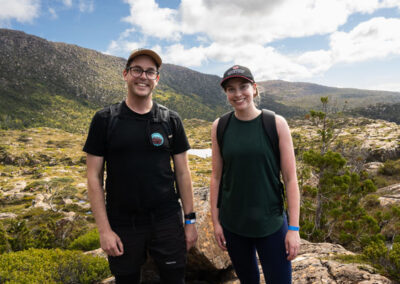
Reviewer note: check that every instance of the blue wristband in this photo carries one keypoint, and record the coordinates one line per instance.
(293, 228)
(190, 221)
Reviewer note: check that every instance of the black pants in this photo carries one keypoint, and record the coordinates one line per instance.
(271, 252)
(168, 277)
(163, 239)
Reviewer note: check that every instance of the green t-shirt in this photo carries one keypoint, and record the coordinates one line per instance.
(250, 205)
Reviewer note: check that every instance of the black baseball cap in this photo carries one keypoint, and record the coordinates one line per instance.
(237, 71)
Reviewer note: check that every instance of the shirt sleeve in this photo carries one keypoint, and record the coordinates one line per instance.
(181, 143)
(96, 140)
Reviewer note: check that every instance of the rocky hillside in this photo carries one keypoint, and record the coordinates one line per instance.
(389, 112)
(59, 85)
(374, 140)
(306, 95)
(41, 79)
(83, 73)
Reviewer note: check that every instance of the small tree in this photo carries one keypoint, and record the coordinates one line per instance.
(335, 209)
(326, 164)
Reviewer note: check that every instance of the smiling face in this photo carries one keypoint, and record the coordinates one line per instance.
(141, 86)
(240, 93)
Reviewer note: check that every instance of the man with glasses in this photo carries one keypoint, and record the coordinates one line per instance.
(141, 214)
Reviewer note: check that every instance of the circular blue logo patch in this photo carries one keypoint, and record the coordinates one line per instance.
(157, 139)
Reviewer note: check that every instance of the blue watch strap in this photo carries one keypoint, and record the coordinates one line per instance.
(294, 228)
(190, 221)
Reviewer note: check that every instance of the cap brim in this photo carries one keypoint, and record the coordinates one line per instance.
(147, 52)
(234, 76)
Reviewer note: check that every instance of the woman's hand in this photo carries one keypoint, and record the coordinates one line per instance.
(219, 235)
(292, 244)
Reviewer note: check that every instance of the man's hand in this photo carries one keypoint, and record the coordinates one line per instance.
(219, 236)
(111, 243)
(190, 235)
(292, 244)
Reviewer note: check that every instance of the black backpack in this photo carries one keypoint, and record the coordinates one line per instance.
(161, 115)
(269, 125)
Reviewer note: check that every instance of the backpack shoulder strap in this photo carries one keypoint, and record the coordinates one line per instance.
(162, 115)
(221, 127)
(269, 124)
(114, 111)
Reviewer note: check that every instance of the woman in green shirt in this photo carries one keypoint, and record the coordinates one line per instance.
(249, 218)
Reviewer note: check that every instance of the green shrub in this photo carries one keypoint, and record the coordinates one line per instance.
(86, 242)
(376, 251)
(61, 181)
(39, 185)
(380, 181)
(4, 245)
(390, 168)
(396, 211)
(371, 201)
(51, 266)
(43, 237)
(394, 257)
(36, 228)
(19, 237)
(384, 258)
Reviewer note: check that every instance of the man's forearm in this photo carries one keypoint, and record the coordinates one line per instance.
(186, 191)
(97, 203)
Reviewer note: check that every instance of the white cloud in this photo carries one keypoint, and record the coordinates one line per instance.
(153, 20)
(124, 44)
(86, 6)
(122, 47)
(391, 3)
(265, 62)
(265, 21)
(233, 31)
(53, 13)
(177, 54)
(316, 61)
(376, 38)
(67, 3)
(242, 21)
(23, 11)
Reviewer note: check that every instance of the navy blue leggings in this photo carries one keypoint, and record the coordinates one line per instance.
(272, 254)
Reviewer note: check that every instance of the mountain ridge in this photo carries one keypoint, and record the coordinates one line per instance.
(45, 83)
(307, 95)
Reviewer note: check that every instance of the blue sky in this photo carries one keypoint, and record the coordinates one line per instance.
(342, 43)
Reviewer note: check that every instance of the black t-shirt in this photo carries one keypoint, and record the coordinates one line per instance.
(139, 175)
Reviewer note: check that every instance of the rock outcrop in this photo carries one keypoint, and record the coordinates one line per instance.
(372, 167)
(206, 255)
(314, 264)
(389, 194)
(377, 140)
(41, 200)
(7, 215)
